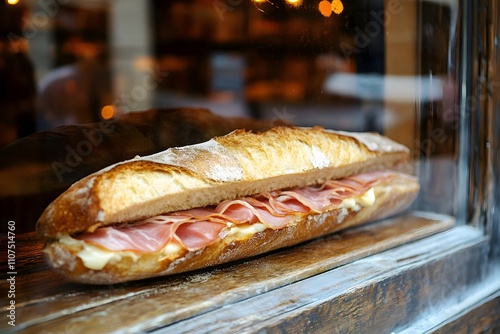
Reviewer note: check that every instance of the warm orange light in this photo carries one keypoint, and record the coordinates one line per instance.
(107, 112)
(337, 6)
(294, 3)
(325, 8)
(259, 1)
(12, 2)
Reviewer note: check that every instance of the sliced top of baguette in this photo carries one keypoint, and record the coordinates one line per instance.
(238, 164)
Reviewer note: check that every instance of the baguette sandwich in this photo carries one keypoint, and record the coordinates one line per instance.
(226, 199)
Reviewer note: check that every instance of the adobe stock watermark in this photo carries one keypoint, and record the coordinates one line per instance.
(75, 155)
(138, 93)
(373, 28)
(37, 21)
(221, 7)
(451, 117)
(11, 273)
(282, 116)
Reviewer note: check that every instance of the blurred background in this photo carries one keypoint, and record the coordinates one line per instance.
(73, 61)
(357, 65)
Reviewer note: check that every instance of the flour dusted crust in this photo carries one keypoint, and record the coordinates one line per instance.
(392, 196)
(238, 164)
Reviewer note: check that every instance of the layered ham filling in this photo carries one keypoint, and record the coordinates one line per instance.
(197, 228)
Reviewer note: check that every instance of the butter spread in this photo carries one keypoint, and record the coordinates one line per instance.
(96, 258)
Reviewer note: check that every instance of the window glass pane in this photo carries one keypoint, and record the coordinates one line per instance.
(389, 66)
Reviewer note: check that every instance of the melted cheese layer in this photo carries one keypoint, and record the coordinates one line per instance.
(96, 258)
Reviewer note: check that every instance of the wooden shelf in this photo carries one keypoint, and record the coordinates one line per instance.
(266, 291)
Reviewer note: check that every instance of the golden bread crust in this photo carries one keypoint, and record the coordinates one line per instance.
(239, 164)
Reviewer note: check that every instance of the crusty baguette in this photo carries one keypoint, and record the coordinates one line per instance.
(392, 196)
(239, 164)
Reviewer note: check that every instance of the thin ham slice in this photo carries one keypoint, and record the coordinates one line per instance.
(285, 203)
(237, 211)
(197, 228)
(198, 235)
(260, 212)
(145, 238)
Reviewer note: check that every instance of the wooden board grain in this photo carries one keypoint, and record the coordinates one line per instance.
(372, 295)
(47, 303)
